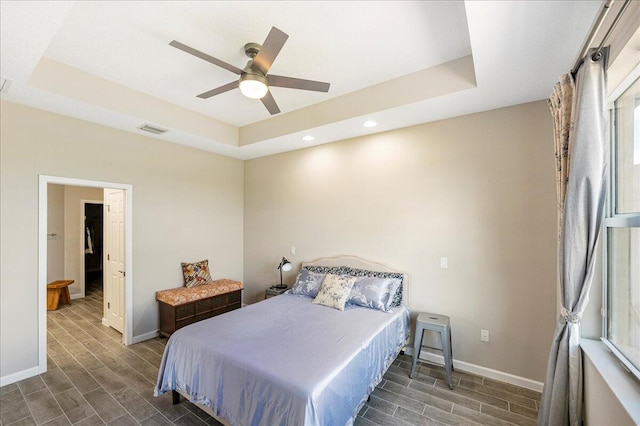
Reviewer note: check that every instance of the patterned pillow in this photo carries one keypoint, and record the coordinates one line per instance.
(334, 291)
(307, 283)
(196, 273)
(345, 270)
(373, 292)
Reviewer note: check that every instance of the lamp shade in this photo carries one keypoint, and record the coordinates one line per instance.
(287, 266)
(253, 86)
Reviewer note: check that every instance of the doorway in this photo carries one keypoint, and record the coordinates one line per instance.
(92, 248)
(126, 288)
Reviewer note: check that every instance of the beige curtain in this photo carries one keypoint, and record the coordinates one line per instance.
(561, 107)
(581, 125)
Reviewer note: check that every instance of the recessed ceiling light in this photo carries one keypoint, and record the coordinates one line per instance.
(308, 138)
(370, 123)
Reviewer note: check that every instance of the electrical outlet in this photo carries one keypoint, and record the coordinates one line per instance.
(293, 250)
(484, 335)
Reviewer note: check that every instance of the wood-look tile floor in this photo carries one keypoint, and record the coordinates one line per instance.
(92, 379)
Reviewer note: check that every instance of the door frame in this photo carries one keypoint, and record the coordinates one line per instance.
(44, 181)
(83, 203)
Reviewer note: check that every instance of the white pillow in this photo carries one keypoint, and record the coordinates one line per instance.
(334, 291)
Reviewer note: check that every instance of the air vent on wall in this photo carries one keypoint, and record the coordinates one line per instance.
(152, 129)
(4, 85)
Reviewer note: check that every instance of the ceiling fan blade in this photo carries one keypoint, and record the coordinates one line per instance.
(218, 90)
(269, 50)
(208, 58)
(297, 83)
(270, 103)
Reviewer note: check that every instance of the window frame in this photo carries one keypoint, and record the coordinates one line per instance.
(613, 220)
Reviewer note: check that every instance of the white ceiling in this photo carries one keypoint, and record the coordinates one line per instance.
(400, 63)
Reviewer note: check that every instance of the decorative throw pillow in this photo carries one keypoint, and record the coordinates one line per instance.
(196, 273)
(334, 291)
(307, 283)
(373, 292)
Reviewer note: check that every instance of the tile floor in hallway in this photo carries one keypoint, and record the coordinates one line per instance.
(92, 379)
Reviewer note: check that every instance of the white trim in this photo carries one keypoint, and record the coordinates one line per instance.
(624, 85)
(44, 180)
(146, 336)
(622, 384)
(82, 237)
(21, 375)
(42, 276)
(480, 370)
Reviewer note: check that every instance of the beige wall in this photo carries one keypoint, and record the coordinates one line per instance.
(74, 232)
(187, 205)
(478, 189)
(55, 225)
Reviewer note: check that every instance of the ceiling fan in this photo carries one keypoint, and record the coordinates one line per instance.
(254, 79)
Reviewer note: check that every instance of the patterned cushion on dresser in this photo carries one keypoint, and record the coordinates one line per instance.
(181, 295)
(196, 273)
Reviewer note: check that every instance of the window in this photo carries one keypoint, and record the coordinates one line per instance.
(621, 328)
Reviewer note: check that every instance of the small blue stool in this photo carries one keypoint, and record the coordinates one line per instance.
(440, 324)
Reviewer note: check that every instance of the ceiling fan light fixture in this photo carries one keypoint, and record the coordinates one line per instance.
(253, 85)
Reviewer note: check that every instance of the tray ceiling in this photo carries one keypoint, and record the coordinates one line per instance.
(398, 63)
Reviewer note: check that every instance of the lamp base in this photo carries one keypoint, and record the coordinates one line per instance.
(279, 286)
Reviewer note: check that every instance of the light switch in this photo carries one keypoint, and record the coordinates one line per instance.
(293, 250)
(444, 262)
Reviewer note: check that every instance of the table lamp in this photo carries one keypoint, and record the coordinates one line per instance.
(284, 265)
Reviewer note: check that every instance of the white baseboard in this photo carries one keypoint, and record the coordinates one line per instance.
(105, 322)
(21, 375)
(482, 371)
(146, 336)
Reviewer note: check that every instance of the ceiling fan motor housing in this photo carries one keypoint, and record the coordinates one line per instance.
(252, 49)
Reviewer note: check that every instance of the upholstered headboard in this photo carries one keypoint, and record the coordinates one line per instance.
(359, 263)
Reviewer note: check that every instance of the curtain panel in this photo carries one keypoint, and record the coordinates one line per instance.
(581, 132)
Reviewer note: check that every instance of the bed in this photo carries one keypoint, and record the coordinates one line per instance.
(287, 360)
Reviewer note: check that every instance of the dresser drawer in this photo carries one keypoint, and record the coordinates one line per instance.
(218, 301)
(235, 297)
(185, 322)
(173, 317)
(202, 306)
(184, 311)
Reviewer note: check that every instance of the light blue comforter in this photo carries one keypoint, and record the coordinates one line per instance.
(284, 361)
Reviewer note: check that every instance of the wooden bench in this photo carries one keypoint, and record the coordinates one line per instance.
(58, 291)
(182, 306)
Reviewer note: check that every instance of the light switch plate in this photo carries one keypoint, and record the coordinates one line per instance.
(444, 262)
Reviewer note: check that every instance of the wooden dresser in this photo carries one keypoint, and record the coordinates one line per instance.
(183, 306)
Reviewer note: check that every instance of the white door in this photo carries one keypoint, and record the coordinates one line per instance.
(114, 238)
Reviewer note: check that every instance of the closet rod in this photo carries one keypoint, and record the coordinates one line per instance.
(603, 14)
